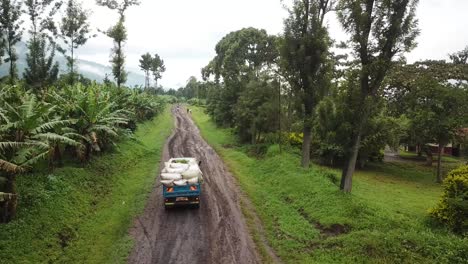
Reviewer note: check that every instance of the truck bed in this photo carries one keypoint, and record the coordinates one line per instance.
(182, 195)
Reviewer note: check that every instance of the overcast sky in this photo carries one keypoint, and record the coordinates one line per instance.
(185, 32)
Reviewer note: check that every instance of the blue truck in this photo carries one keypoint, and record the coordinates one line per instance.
(182, 195)
(182, 192)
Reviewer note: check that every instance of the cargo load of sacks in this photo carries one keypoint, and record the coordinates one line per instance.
(181, 172)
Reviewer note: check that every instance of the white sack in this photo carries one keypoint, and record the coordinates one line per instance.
(192, 181)
(171, 176)
(167, 183)
(180, 182)
(175, 170)
(192, 172)
(179, 165)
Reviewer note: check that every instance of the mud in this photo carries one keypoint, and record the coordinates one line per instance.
(214, 233)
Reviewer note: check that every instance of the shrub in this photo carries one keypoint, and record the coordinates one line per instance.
(452, 209)
(295, 139)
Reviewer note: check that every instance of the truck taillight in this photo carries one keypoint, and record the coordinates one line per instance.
(169, 189)
(193, 188)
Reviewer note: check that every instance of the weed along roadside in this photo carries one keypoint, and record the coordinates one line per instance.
(82, 214)
(308, 220)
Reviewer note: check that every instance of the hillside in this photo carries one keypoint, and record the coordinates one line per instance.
(89, 69)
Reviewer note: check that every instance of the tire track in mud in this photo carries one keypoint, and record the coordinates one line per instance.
(215, 233)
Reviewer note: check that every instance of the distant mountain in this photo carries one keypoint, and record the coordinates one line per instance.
(89, 69)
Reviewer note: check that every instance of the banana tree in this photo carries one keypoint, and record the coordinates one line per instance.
(99, 120)
(29, 133)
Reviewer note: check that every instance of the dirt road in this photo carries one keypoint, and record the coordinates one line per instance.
(215, 233)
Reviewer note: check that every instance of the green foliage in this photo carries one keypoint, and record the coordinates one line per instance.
(157, 68)
(432, 101)
(256, 111)
(120, 5)
(41, 69)
(196, 102)
(74, 31)
(10, 12)
(118, 33)
(334, 123)
(77, 120)
(100, 120)
(82, 214)
(304, 50)
(379, 31)
(30, 130)
(145, 65)
(452, 209)
(241, 56)
(299, 208)
(460, 57)
(305, 60)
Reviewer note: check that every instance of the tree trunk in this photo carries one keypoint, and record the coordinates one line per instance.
(306, 146)
(307, 131)
(348, 171)
(253, 134)
(58, 155)
(119, 73)
(72, 72)
(12, 64)
(11, 188)
(439, 162)
(429, 158)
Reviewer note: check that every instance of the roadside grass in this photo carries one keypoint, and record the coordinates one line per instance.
(308, 220)
(83, 214)
(414, 156)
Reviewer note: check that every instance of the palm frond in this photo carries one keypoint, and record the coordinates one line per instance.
(36, 158)
(11, 145)
(105, 129)
(56, 138)
(51, 125)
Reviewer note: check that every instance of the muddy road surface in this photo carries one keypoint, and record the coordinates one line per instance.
(214, 233)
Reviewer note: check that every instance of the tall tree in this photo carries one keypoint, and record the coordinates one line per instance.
(380, 30)
(433, 94)
(75, 32)
(119, 34)
(305, 57)
(241, 56)
(157, 68)
(146, 63)
(460, 57)
(41, 69)
(11, 25)
(2, 44)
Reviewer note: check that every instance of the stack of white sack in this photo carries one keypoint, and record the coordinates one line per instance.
(180, 174)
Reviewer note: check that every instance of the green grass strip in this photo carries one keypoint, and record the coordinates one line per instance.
(308, 220)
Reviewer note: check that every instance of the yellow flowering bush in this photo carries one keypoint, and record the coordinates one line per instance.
(452, 209)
